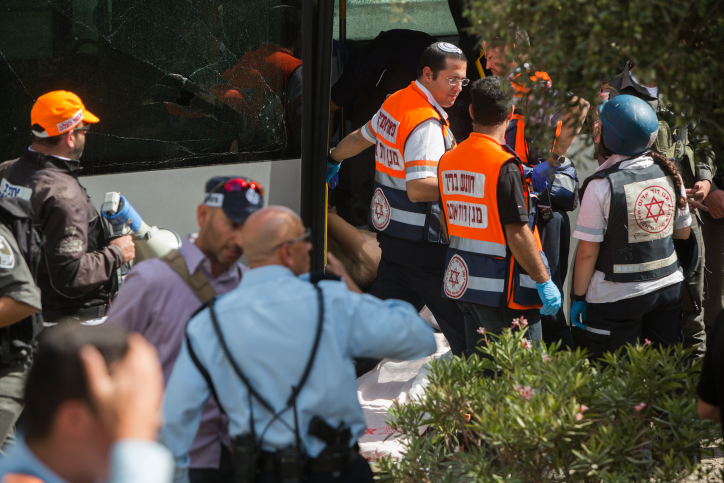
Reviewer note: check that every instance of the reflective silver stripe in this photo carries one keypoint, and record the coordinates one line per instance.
(406, 217)
(486, 284)
(590, 231)
(390, 181)
(368, 134)
(598, 331)
(478, 246)
(527, 282)
(645, 267)
(421, 169)
(566, 182)
(683, 219)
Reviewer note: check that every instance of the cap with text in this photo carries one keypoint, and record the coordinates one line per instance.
(239, 197)
(58, 112)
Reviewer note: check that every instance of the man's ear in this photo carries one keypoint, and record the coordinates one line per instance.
(427, 74)
(203, 215)
(73, 419)
(470, 110)
(285, 256)
(510, 114)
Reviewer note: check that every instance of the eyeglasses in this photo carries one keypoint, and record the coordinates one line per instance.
(455, 81)
(306, 235)
(83, 129)
(238, 184)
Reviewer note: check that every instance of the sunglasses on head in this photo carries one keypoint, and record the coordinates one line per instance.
(239, 184)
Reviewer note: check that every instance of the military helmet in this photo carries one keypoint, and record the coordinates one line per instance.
(629, 124)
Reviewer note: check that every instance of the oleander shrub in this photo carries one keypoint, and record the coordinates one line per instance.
(539, 414)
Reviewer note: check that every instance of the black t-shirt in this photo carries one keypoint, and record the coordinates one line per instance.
(711, 385)
(512, 205)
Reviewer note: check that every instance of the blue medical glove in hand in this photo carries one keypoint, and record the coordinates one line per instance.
(334, 181)
(332, 169)
(578, 314)
(550, 296)
(542, 175)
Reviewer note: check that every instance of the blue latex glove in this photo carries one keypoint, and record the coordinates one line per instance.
(550, 296)
(541, 176)
(332, 169)
(334, 181)
(578, 314)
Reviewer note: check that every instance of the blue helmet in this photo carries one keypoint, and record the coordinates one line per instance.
(630, 125)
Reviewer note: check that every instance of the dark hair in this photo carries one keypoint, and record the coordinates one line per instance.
(49, 141)
(436, 59)
(666, 166)
(57, 374)
(491, 100)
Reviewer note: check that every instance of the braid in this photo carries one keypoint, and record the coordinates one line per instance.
(670, 169)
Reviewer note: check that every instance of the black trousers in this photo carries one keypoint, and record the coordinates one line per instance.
(655, 316)
(358, 471)
(555, 237)
(223, 474)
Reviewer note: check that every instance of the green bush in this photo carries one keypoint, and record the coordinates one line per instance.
(553, 415)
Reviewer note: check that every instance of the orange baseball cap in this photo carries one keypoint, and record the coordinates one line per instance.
(58, 112)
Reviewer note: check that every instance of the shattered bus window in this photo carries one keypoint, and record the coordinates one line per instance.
(175, 83)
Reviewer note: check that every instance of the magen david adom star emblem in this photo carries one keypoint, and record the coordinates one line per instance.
(380, 210)
(456, 277)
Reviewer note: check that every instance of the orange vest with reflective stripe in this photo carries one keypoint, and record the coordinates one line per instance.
(480, 268)
(515, 136)
(391, 210)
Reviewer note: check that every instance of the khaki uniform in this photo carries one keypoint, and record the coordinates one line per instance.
(16, 282)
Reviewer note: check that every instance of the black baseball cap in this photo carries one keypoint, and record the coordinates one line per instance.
(239, 197)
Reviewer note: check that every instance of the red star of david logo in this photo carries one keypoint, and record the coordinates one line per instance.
(378, 210)
(649, 206)
(454, 274)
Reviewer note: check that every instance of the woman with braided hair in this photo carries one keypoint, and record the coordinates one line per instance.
(627, 278)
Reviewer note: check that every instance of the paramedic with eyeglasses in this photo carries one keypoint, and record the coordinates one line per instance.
(410, 133)
(160, 295)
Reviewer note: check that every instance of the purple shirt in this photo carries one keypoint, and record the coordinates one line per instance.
(157, 303)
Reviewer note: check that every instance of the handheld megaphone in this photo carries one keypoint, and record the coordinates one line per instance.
(150, 241)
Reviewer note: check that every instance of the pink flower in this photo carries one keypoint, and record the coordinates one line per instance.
(526, 344)
(579, 417)
(516, 323)
(482, 330)
(525, 392)
(523, 322)
(647, 342)
(639, 407)
(583, 408)
(546, 358)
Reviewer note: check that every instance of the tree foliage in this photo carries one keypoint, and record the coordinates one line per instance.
(550, 415)
(676, 43)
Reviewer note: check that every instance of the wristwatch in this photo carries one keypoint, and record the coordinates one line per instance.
(578, 298)
(331, 160)
(558, 158)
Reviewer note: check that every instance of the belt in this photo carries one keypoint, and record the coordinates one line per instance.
(326, 462)
(75, 314)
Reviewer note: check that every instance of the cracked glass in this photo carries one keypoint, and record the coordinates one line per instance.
(175, 83)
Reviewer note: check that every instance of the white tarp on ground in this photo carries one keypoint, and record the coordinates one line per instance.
(377, 390)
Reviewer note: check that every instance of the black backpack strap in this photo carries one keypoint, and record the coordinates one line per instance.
(227, 353)
(204, 373)
(320, 323)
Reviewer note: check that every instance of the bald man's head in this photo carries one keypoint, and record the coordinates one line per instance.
(265, 236)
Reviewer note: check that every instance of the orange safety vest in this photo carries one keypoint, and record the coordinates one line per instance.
(515, 134)
(480, 268)
(391, 210)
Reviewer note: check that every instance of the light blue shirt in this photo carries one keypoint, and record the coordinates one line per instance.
(269, 323)
(132, 461)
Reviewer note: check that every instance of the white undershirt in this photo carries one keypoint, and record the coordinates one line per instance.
(591, 226)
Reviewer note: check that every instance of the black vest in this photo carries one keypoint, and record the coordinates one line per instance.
(18, 341)
(638, 243)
